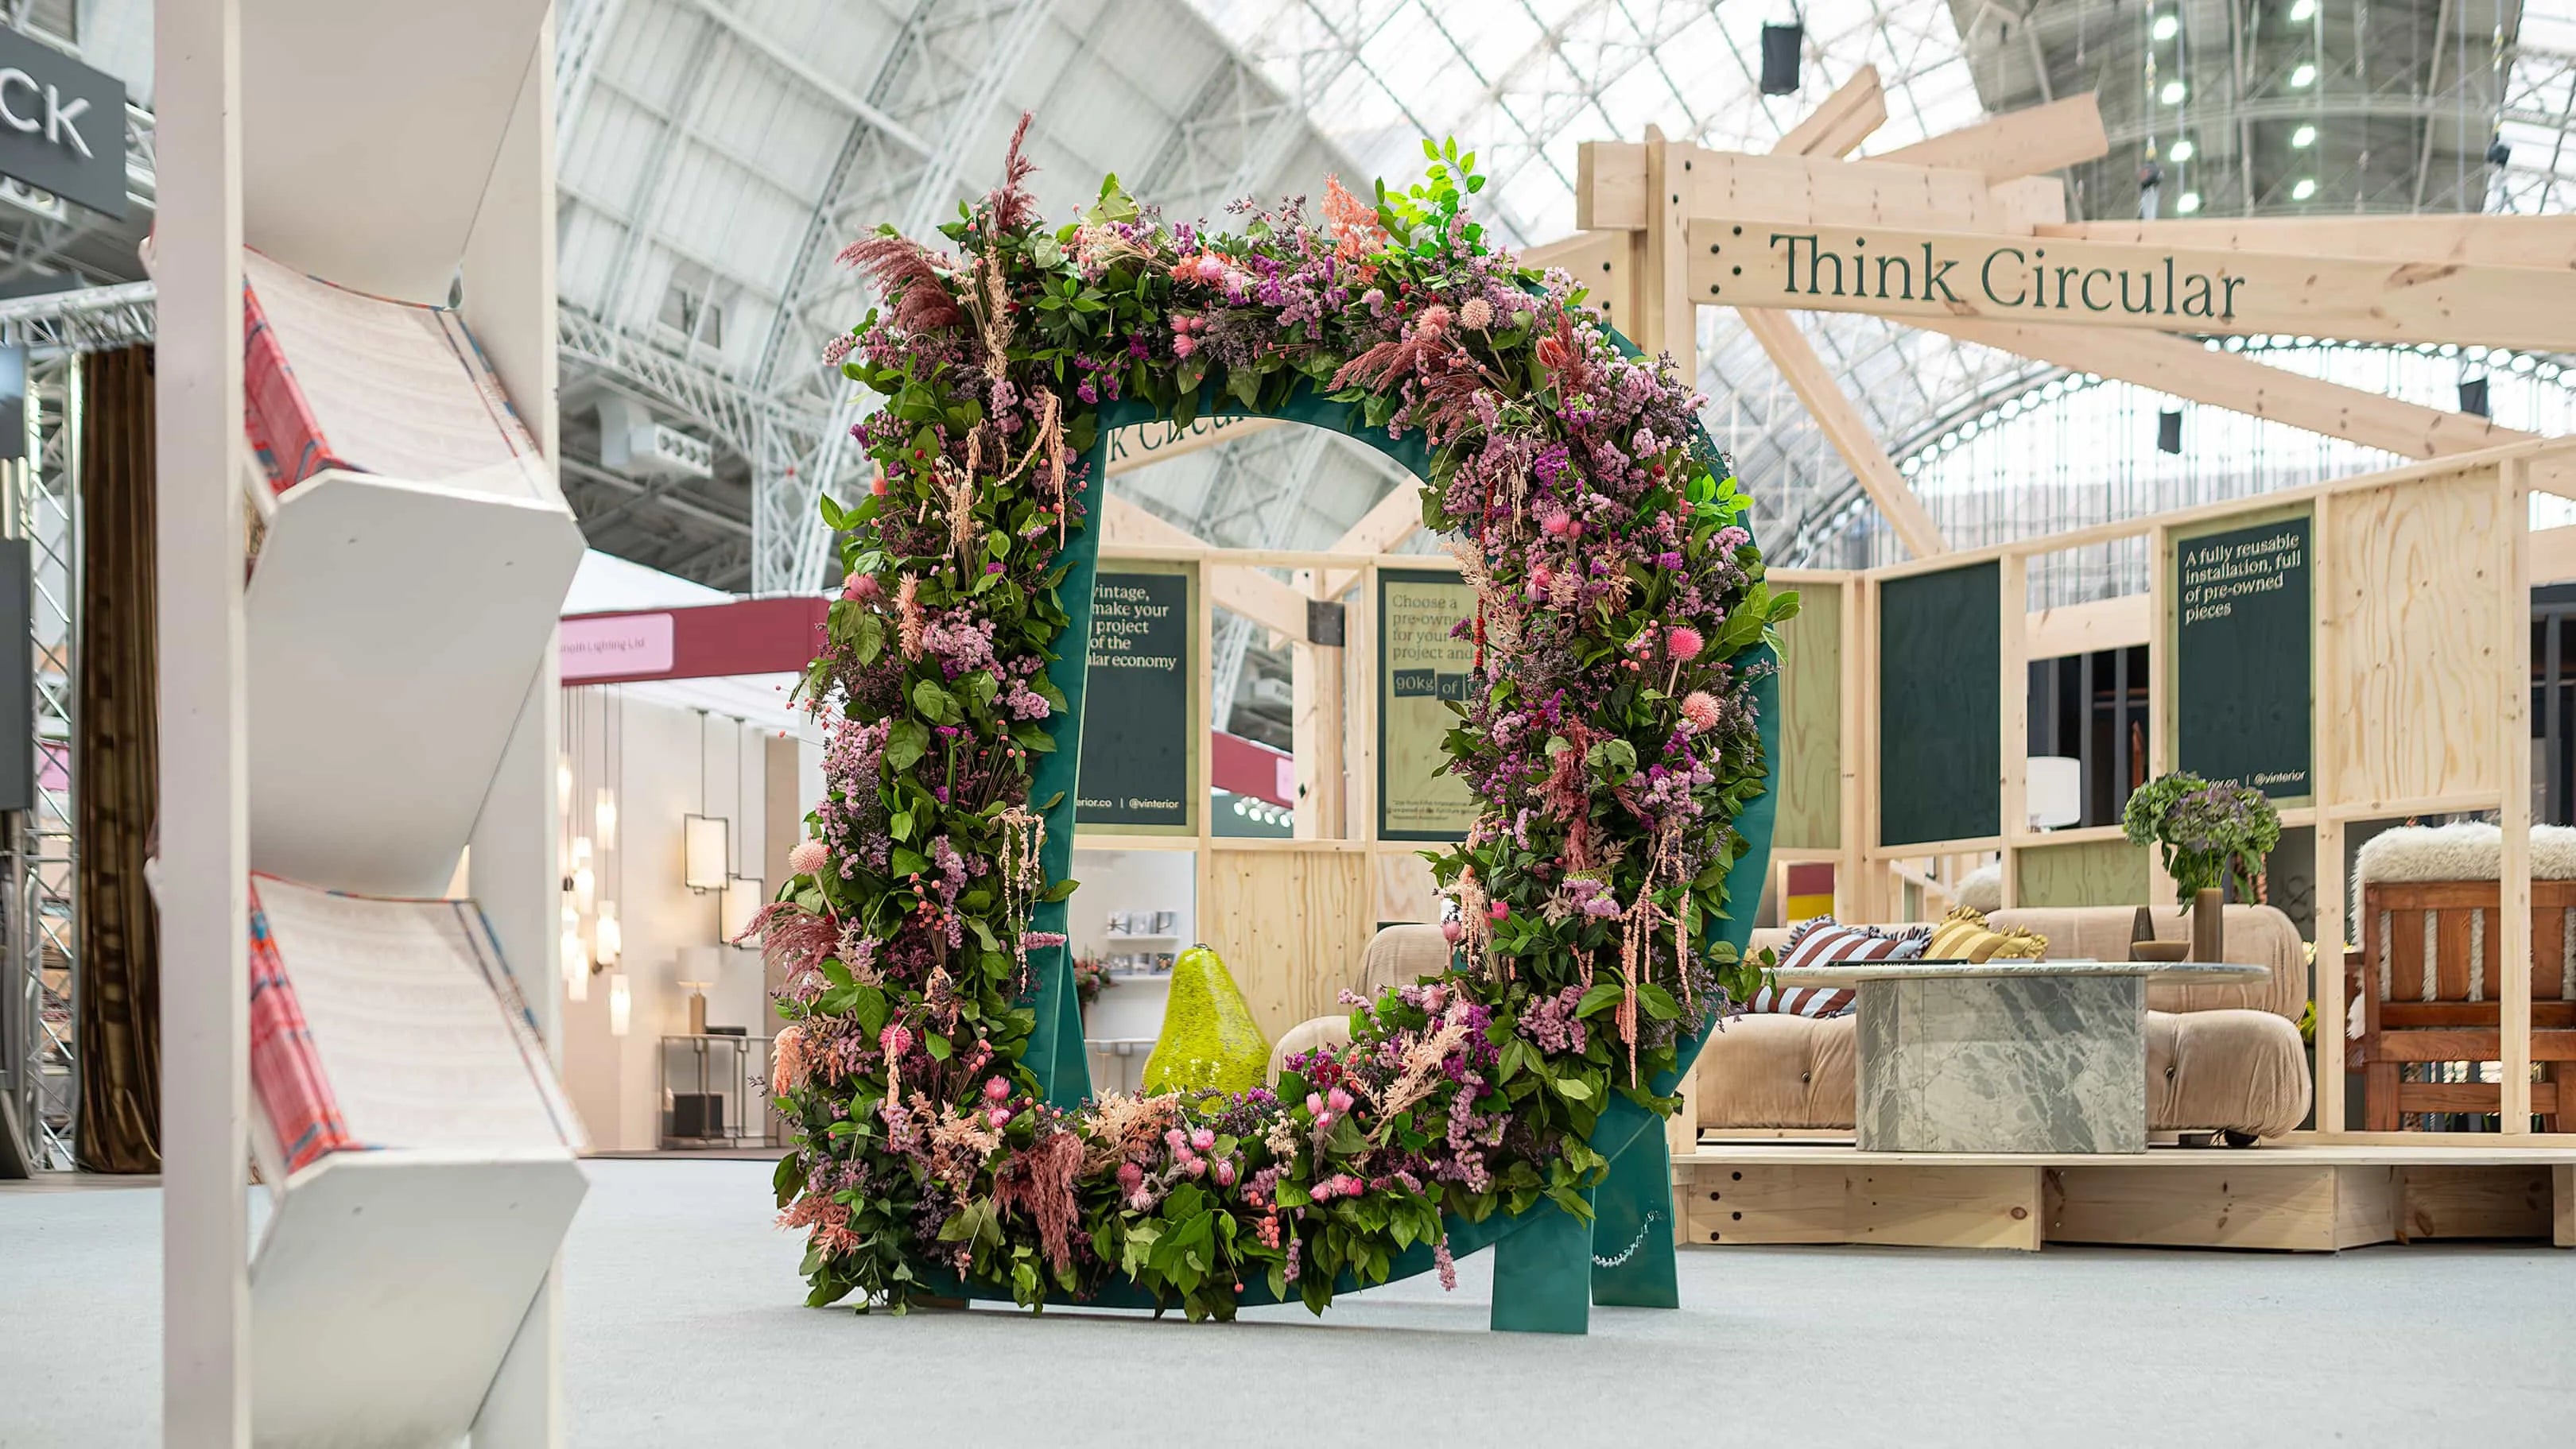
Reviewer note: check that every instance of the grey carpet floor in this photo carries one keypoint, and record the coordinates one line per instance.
(684, 1328)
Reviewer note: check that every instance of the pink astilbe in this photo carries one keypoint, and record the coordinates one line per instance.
(908, 274)
(1038, 1180)
(789, 1063)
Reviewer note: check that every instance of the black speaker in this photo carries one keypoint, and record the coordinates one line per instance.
(2473, 397)
(2169, 432)
(1781, 45)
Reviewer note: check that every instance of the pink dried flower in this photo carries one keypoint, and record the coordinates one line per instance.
(999, 1117)
(1184, 346)
(788, 1065)
(1203, 1139)
(997, 1089)
(1476, 314)
(838, 348)
(863, 588)
(1683, 642)
(1500, 910)
(808, 858)
(896, 1039)
(1699, 709)
(1225, 1173)
(1556, 522)
(1130, 1176)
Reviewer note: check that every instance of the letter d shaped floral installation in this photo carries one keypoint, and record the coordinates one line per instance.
(1610, 735)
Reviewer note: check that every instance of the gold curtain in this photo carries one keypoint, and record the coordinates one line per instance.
(116, 769)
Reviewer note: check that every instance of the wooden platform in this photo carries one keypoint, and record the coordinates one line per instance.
(2289, 1198)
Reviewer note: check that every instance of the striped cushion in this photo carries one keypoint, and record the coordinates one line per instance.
(1823, 940)
(1963, 935)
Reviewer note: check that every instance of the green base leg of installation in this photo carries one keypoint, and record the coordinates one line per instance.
(1543, 1274)
(1633, 1264)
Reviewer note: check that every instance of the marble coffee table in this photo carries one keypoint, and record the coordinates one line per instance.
(2005, 1056)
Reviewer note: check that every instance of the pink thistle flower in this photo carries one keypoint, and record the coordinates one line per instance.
(1197, 1167)
(1225, 1173)
(1476, 314)
(1184, 346)
(1501, 910)
(997, 1089)
(1130, 1176)
(808, 858)
(1699, 709)
(1556, 522)
(1435, 320)
(1683, 642)
(1176, 1139)
(1202, 1138)
(1000, 1117)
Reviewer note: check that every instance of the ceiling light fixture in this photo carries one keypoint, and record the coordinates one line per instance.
(2303, 77)
(2306, 188)
(2304, 137)
(2182, 149)
(2165, 26)
(2187, 203)
(2173, 93)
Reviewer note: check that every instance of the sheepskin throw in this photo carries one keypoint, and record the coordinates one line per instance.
(1983, 890)
(2468, 851)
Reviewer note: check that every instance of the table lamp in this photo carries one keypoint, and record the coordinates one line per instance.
(703, 964)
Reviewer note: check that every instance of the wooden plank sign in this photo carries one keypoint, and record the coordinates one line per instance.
(2243, 606)
(1421, 670)
(1891, 272)
(1137, 744)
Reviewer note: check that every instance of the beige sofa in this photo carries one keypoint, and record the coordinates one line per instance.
(2218, 1057)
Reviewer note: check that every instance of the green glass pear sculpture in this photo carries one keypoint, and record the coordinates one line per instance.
(1210, 1043)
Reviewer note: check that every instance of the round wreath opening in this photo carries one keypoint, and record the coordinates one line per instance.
(930, 1063)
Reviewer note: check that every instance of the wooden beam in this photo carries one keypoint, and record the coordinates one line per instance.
(1247, 591)
(1390, 521)
(1758, 258)
(2023, 143)
(2553, 555)
(1848, 431)
(2114, 623)
(1610, 191)
(2493, 241)
(1842, 121)
(2240, 384)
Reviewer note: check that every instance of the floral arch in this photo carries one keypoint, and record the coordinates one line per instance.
(1616, 737)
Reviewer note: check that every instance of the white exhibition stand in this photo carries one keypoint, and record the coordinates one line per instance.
(385, 698)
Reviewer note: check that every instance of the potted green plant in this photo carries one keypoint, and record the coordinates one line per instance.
(2210, 834)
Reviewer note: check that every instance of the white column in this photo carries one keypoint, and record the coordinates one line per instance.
(205, 996)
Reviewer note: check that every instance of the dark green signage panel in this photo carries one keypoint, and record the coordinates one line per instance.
(1940, 705)
(2243, 620)
(1422, 670)
(1136, 746)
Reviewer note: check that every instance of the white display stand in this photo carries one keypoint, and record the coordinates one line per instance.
(385, 699)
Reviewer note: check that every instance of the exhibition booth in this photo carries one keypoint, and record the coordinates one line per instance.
(1615, 900)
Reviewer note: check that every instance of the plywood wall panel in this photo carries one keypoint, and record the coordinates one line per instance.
(1291, 925)
(1808, 772)
(2084, 873)
(2414, 600)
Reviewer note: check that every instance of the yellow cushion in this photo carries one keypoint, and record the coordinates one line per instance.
(1963, 935)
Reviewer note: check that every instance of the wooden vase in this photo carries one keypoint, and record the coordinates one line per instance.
(2208, 926)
